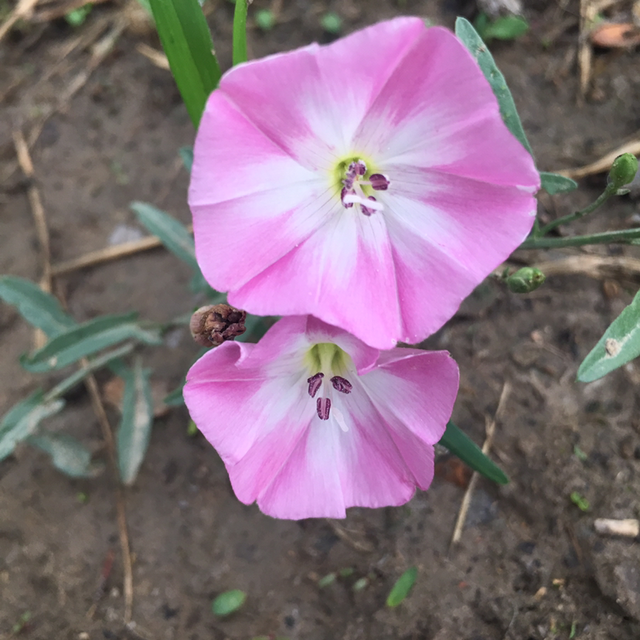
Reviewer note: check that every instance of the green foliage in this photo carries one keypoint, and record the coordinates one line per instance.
(619, 344)
(401, 588)
(503, 28)
(228, 602)
(468, 451)
(86, 339)
(240, 32)
(579, 501)
(553, 183)
(265, 19)
(623, 171)
(77, 17)
(23, 419)
(332, 23)
(186, 153)
(479, 50)
(38, 308)
(525, 280)
(67, 454)
(135, 426)
(187, 42)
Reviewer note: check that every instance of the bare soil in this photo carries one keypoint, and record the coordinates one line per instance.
(529, 566)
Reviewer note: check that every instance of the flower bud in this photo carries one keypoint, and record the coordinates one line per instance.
(211, 325)
(623, 171)
(525, 280)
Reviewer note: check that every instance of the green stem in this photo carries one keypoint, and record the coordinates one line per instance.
(240, 32)
(604, 196)
(625, 235)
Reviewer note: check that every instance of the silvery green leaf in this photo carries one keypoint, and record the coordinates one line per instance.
(23, 419)
(619, 344)
(135, 425)
(553, 183)
(67, 454)
(470, 38)
(40, 309)
(86, 339)
(173, 234)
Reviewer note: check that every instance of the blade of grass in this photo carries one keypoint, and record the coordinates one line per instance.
(240, 32)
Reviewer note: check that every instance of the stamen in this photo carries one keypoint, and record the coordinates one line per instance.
(315, 382)
(345, 193)
(323, 407)
(379, 182)
(369, 209)
(341, 384)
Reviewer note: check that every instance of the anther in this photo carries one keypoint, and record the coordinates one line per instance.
(323, 406)
(369, 210)
(315, 382)
(341, 384)
(379, 182)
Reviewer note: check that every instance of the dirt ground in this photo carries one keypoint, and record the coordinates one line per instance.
(529, 565)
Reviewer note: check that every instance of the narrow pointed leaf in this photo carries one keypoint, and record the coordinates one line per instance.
(553, 183)
(186, 40)
(135, 426)
(470, 38)
(619, 344)
(173, 234)
(175, 398)
(86, 339)
(186, 154)
(97, 363)
(68, 454)
(240, 32)
(38, 308)
(23, 419)
(401, 588)
(471, 454)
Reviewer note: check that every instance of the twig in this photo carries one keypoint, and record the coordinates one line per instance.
(604, 163)
(597, 267)
(24, 9)
(24, 159)
(108, 254)
(157, 57)
(585, 52)
(107, 434)
(339, 530)
(58, 12)
(490, 431)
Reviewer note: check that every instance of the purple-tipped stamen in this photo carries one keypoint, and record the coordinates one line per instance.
(323, 406)
(315, 382)
(344, 193)
(341, 384)
(379, 182)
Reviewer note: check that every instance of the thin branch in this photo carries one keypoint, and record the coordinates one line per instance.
(486, 447)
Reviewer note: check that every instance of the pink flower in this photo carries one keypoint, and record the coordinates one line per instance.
(310, 420)
(370, 183)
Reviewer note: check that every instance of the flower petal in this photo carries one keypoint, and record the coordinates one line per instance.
(438, 110)
(343, 274)
(312, 100)
(332, 469)
(448, 233)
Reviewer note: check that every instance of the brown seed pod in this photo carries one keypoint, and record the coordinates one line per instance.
(214, 324)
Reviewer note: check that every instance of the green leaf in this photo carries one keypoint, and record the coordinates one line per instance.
(240, 32)
(173, 234)
(553, 183)
(175, 398)
(505, 28)
(38, 308)
(471, 454)
(187, 42)
(186, 154)
(23, 419)
(619, 344)
(331, 22)
(479, 50)
(401, 588)
(75, 378)
(67, 454)
(86, 339)
(228, 602)
(77, 17)
(265, 19)
(135, 426)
